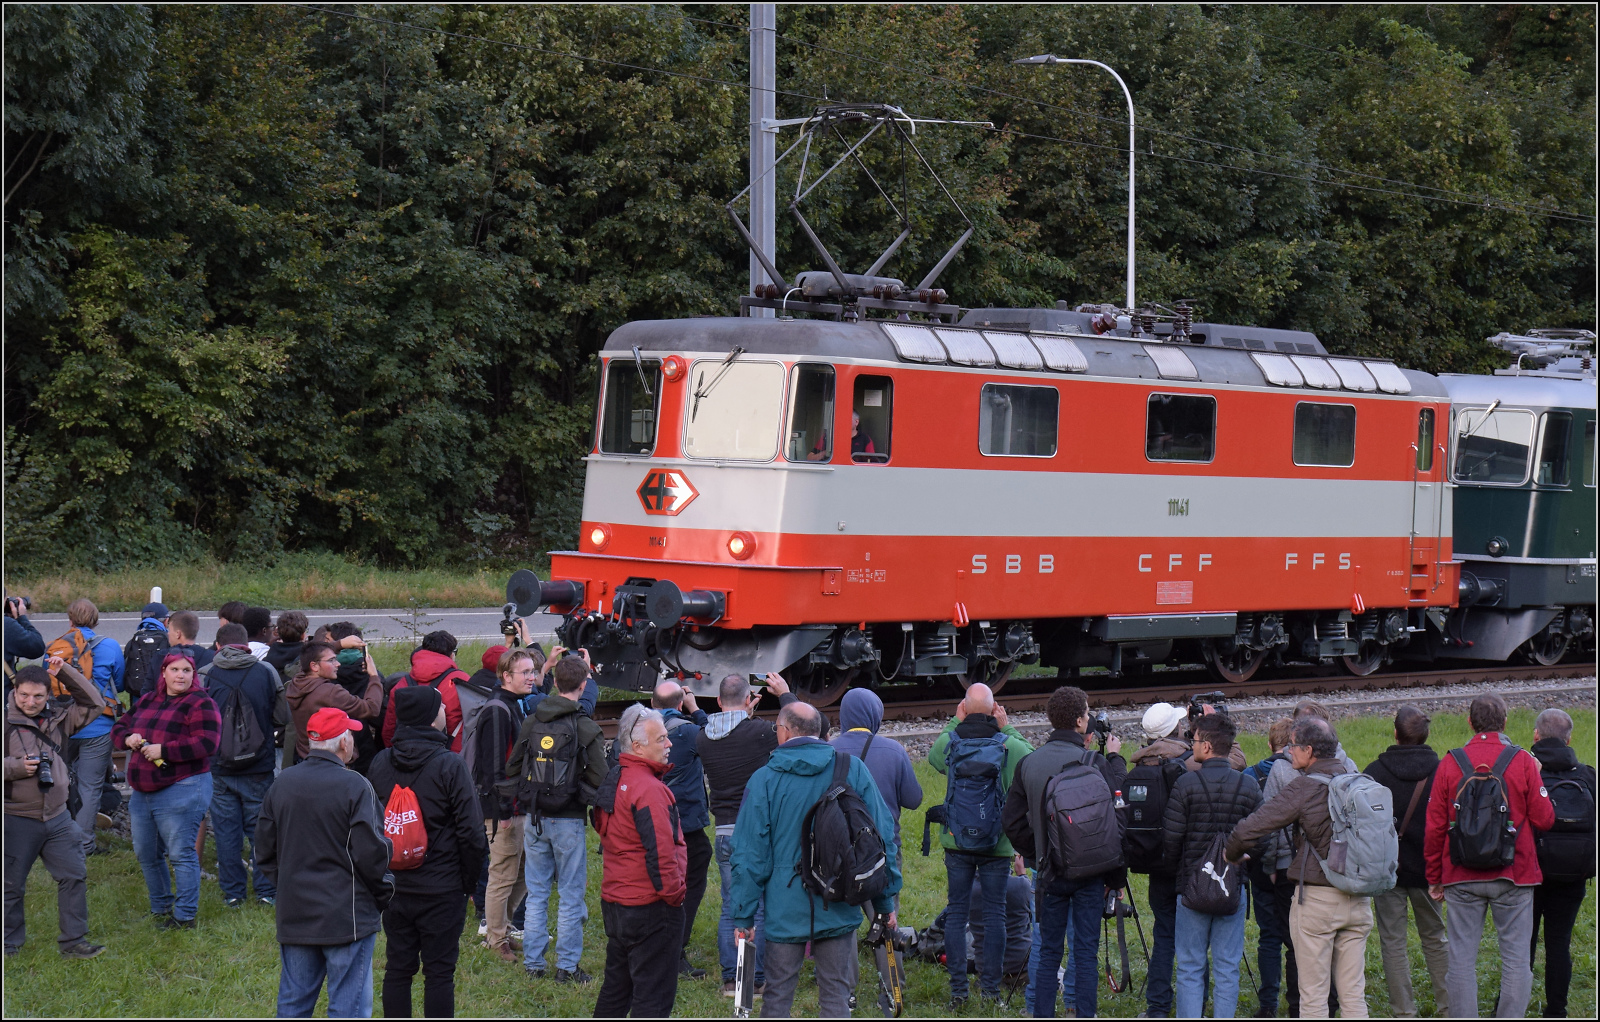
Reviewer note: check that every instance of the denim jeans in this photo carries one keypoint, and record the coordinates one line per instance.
(235, 803)
(1224, 937)
(990, 870)
(165, 824)
(1084, 902)
(347, 967)
(1069, 981)
(557, 857)
(727, 951)
(93, 759)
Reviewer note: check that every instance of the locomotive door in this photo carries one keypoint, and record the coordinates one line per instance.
(1427, 510)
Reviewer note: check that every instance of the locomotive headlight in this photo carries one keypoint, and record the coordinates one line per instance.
(741, 545)
(599, 537)
(672, 367)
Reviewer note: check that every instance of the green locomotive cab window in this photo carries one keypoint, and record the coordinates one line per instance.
(1492, 446)
(1588, 453)
(1181, 427)
(628, 421)
(1018, 422)
(811, 414)
(1324, 434)
(1555, 453)
(1425, 440)
(871, 420)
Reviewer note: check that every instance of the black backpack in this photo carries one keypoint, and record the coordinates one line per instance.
(1567, 849)
(1213, 887)
(243, 741)
(550, 767)
(1482, 836)
(142, 658)
(842, 857)
(1083, 830)
(1147, 789)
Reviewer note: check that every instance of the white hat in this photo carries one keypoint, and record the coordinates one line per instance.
(1160, 719)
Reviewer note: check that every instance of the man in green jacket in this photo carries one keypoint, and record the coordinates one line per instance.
(980, 751)
(766, 851)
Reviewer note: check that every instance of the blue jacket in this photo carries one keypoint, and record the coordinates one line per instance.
(685, 776)
(108, 667)
(860, 717)
(766, 845)
(23, 641)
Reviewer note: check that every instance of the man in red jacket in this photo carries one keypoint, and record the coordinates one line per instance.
(643, 884)
(434, 664)
(1506, 891)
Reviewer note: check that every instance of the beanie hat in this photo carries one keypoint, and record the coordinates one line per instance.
(417, 705)
(491, 657)
(1160, 719)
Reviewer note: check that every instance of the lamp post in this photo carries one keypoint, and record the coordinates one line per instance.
(1050, 58)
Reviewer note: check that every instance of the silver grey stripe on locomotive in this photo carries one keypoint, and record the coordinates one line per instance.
(888, 501)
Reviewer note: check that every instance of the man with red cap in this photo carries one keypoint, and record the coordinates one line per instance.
(320, 839)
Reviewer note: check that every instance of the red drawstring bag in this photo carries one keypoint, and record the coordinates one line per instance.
(402, 824)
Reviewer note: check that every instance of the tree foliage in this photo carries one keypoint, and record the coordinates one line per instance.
(278, 278)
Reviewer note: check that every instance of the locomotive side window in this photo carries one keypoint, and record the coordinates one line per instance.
(1492, 446)
(872, 416)
(735, 410)
(1018, 421)
(1181, 427)
(1555, 450)
(628, 422)
(1425, 440)
(811, 414)
(1324, 434)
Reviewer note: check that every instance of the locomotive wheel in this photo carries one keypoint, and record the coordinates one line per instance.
(1239, 665)
(1547, 648)
(820, 685)
(987, 672)
(1367, 661)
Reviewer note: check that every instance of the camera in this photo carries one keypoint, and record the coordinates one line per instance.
(18, 605)
(508, 623)
(45, 776)
(1200, 700)
(1100, 725)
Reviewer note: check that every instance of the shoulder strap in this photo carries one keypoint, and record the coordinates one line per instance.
(867, 745)
(841, 769)
(1503, 762)
(1460, 756)
(1416, 800)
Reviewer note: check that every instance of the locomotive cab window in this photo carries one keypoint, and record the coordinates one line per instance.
(1492, 446)
(811, 414)
(1555, 450)
(1324, 434)
(1588, 453)
(1425, 440)
(1018, 421)
(628, 420)
(872, 416)
(735, 410)
(1181, 427)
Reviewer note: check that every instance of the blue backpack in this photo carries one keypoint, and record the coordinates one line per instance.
(975, 793)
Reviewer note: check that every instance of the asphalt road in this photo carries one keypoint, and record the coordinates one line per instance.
(466, 624)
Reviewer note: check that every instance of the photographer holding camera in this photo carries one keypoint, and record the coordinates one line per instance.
(37, 782)
(23, 641)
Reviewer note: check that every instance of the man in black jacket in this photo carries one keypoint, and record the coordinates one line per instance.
(1024, 823)
(1558, 898)
(493, 733)
(238, 787)
(1406, 768)
(430, 902)
(320, 840)
(1204, 804)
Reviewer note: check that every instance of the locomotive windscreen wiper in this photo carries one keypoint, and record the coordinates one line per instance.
(703, 388)
(1486, 413)
(638, 363)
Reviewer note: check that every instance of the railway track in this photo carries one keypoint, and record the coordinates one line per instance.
(1177, 686)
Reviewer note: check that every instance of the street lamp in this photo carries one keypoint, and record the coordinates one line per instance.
(1050, 58)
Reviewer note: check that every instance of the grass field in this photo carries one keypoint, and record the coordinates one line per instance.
(229, 966)
(301, 581)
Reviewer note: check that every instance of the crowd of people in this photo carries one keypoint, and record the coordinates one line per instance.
(349, 803)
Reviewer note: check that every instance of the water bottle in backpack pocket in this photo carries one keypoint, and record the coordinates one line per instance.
(975, 792)
(1482, 835)
(1083, 830)
(1567, 849)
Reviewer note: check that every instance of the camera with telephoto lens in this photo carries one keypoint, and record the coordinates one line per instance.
(1199, 702)
(1100, 726)
(508, 623)
(45, 776)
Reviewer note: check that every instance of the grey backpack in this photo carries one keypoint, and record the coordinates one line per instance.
(1364, 856)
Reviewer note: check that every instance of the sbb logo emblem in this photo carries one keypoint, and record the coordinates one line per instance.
(666, 491)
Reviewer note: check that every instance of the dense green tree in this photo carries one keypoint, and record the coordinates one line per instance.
(284, 278)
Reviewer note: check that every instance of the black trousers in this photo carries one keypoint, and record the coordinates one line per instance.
(699, 862)
(1556, 904)
(640, 980)
(425, 928)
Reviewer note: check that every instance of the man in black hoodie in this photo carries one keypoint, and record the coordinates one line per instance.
(430, 901)
(1406, 769)
(1566, 853)
(236, 677)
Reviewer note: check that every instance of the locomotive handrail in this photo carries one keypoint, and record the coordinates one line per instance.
(697, 564)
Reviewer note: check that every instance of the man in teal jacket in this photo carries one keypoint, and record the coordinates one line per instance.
(977, 720)
(766, 850)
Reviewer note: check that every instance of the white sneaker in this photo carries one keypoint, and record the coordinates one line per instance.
(483, 927)
(512, 933)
